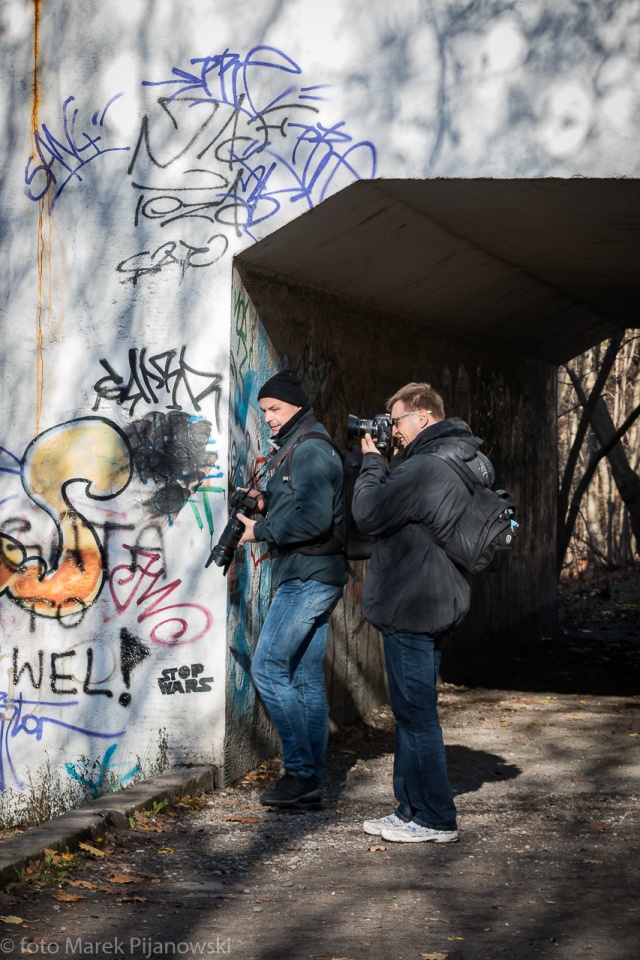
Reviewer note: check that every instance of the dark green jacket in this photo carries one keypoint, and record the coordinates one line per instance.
(304, 504)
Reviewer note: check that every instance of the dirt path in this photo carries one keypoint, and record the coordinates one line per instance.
(547, 783)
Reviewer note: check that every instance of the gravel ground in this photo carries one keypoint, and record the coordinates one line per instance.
(544, 762)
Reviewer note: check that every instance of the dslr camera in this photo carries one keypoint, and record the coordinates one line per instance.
(222, 553)
(379, 429)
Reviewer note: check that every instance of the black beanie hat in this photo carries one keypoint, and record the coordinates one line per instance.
(285, 386)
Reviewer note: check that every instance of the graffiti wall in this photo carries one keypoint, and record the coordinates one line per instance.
(253, 360)
(137, 168)
(145, 145)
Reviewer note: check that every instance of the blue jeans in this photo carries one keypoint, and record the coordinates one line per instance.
(420, 780)
(288, 671)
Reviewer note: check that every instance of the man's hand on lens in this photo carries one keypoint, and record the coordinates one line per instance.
(368, 446)
(249, 524)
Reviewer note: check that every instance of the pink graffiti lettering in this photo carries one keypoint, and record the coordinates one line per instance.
(182, 622)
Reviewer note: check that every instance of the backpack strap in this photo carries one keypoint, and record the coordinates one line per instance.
(466, 474)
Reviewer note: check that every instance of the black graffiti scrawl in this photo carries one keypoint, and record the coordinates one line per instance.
(170, 451)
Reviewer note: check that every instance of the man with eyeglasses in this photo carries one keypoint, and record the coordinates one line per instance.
(415, 596)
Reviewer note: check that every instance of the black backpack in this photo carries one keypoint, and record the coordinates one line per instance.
(485, 533)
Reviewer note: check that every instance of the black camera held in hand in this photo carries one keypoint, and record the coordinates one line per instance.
(222, 553)
(379, 429)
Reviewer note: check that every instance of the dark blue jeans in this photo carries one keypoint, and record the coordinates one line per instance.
(420, 780)
(288, 671)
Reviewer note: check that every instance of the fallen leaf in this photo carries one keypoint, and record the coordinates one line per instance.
(593, 861)
(51, 853)
(68, 897)
(595, 825)
(124, 878)
(82, 883)
(131, 900)
(434, 956)
(376, 848)
(455, 938)
(12, 919)
(238, 818)
(90, 849)
(165, 850)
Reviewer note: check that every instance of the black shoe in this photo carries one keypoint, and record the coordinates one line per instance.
(293, 791)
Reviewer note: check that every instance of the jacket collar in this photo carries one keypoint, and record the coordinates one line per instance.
(299, 421)
(453, 427)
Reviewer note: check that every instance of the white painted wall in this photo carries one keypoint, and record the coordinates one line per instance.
(144, 145)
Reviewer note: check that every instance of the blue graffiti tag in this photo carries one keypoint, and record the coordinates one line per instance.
(107, 779)
(72, 151)
(16, 720)
(244, 137)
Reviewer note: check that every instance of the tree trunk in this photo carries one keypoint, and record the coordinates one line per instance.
(626, 479)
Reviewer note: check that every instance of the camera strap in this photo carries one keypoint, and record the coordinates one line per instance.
(278, 457)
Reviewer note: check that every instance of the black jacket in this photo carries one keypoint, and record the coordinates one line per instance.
(304, 504)
(411, 585)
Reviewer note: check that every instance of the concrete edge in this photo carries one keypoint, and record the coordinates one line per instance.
(92, 821)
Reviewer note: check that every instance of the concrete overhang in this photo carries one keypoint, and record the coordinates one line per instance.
(546, 267)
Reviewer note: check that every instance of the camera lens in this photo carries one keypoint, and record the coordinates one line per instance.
(222, 553)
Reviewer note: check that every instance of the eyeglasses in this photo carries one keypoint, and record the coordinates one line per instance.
(396, 420)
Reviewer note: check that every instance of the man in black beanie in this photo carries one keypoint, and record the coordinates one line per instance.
(301, 507)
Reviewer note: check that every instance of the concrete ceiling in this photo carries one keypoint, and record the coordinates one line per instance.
(546, 267)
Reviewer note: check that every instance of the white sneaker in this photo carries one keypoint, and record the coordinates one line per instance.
(414, 833)
(375, 827)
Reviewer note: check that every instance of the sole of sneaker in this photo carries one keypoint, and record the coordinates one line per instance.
(373, 829)
(407, 838)
(310, 801)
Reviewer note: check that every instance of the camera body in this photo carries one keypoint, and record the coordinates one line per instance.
(379, 429)
(222, 553)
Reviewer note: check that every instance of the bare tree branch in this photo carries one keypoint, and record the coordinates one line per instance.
(574, 453)
(572, 514)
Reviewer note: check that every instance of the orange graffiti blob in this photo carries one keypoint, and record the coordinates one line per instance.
(91, 451)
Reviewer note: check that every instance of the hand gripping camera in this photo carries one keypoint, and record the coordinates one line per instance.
(379, 429)
(222, 553)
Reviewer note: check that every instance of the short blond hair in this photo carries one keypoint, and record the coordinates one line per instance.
(419, 396)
